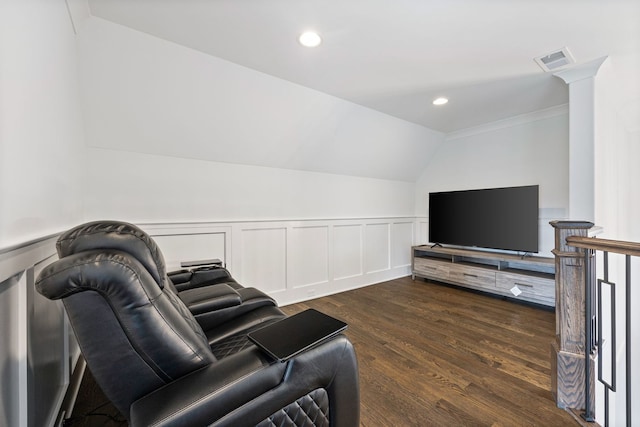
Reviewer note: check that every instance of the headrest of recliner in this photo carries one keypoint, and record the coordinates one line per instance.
(116, 235)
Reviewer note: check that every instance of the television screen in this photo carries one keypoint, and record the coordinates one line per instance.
(496, 218)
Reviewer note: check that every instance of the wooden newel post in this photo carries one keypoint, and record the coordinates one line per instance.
(568, 349)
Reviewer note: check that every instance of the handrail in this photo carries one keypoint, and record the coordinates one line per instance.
(605, 245)
(593, 294)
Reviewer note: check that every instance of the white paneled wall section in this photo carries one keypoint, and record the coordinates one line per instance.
(38, 350)
(296, 260)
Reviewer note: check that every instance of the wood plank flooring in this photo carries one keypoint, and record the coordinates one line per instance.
(434, 355)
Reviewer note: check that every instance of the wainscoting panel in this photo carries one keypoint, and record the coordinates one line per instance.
(401, 242)
(263, 259)
(297, 260)
(11, 354)
(190, 242)
(191, 247)
(546, 237)
(422, 233)
(308, 256)
(37, 351)
(48, 350)
(377, 247)
(347, 251)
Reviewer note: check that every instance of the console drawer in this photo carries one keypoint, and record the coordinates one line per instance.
(473, 276)
(532, 287)
(431, 268)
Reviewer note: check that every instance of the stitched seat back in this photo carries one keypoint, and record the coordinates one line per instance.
(131, 331)
(116, 235)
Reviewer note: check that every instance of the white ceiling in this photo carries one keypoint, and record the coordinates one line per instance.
(396, 56)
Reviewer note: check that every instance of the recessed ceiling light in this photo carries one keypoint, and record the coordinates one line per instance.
(309, 39)
(440, 101)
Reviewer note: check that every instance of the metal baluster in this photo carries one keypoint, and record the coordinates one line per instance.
(612, 337)
(628, 336)
(588, 413)
(600, 347)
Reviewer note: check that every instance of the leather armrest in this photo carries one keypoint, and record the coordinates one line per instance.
(202, 277)
(210, 298)
(210, 393)
(207, 276)
(245, 389)
(180, 276)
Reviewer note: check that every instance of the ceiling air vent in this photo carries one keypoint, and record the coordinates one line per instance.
(555, 60)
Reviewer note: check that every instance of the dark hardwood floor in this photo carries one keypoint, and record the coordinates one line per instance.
(434, 355)
(429, 355)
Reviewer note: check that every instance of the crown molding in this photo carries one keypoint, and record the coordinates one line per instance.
(521, 119)
(582, 71)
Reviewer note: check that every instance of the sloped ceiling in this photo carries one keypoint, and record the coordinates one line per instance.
(146, 95)
(396, 56)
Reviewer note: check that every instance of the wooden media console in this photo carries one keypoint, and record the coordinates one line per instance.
(530, 279)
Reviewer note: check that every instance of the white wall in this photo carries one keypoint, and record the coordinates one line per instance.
(41, 170)
(617, 194)
(150, 188)
(617, 202)
(41, 132)
(524, 150)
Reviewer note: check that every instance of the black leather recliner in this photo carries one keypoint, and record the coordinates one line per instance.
(212, 295)
(160, 367)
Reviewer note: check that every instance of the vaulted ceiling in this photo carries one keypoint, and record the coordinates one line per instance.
(397, 56)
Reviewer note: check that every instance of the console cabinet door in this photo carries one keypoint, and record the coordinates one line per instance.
(432, 268)
(473, 276)
(536, 289)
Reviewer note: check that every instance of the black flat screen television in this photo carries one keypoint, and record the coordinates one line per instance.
(496, 218)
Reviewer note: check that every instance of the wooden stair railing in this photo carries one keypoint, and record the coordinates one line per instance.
(586, 330)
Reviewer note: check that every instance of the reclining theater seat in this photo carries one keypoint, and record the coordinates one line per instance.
(212, 296)
(202, 276)
(154, 361)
